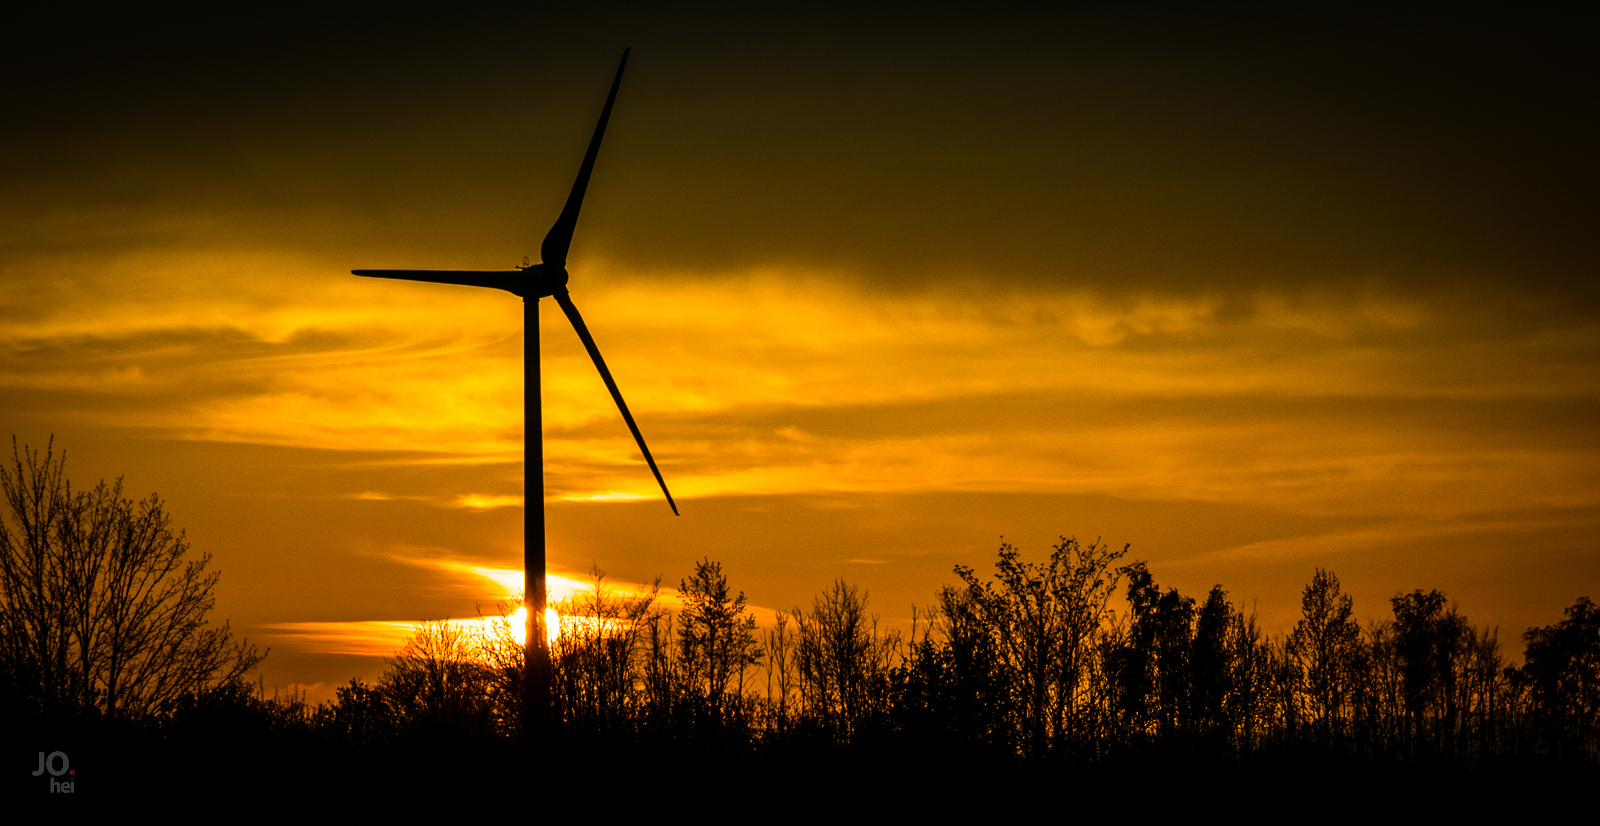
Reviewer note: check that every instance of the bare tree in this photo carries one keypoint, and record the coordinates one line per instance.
(780, 644)
(101, 605)
(440, 680)
(1249, 703)
(500, 647)
(599, 655)
(841, 659)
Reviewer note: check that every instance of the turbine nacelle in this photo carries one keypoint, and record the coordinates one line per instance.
(542, 281)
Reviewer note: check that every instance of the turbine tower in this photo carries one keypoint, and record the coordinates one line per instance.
(531, 283)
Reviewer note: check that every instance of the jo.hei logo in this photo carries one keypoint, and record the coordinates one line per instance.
(49, 764)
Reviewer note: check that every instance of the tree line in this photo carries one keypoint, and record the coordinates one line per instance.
(1083, 656)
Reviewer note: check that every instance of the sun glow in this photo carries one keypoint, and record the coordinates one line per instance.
(384, 638)
(486, 502)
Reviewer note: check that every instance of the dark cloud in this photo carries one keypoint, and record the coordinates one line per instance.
(1160, 148)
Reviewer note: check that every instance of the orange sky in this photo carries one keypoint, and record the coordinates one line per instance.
(1255, 295)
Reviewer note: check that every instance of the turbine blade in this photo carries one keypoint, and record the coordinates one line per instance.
(512, 281)
(554, 249)
(571, 310)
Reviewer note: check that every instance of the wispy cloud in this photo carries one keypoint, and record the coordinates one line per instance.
(785, 382)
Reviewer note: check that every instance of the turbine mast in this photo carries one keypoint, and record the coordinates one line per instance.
(547, 278)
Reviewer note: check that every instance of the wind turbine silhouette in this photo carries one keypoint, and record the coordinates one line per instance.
(547, 278)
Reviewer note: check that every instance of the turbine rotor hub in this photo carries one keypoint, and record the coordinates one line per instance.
(543, 280)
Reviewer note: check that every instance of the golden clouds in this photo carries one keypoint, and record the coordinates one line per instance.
(1393, 416)
(778, 385)
(272, 349)
(364, 638)
(782, 382)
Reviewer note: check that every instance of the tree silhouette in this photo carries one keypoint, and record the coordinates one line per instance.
(1045, 617)
(599, 656)
(841, 660)
(1249, 700)
(439, 682)
(1174, 618)
(1152, 667)
(500, 648)
(780, 642)
(101, 605)
(360, 715)
(1210, 663)
(716, 636)
(1562, 670)
(1132, 658)
(1037, 626)
(1326, 644)
(1428, 639)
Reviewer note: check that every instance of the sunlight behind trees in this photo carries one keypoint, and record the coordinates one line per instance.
(1044, 660)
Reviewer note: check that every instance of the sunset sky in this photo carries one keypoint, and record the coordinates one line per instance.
(1257, 295)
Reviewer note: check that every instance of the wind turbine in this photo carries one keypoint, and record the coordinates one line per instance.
(547, 278)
